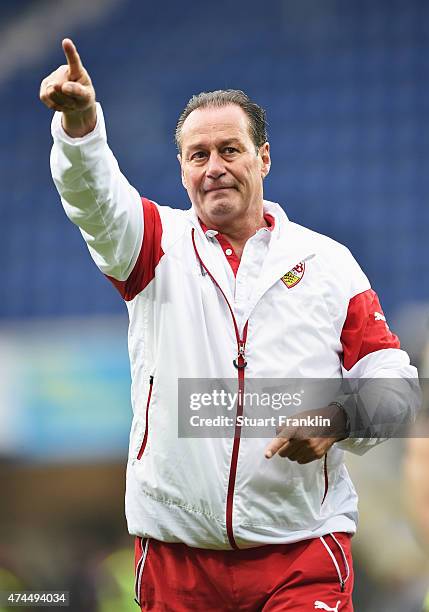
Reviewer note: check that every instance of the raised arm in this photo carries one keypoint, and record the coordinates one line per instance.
(95, 194)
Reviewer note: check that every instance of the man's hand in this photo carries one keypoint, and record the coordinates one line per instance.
(306, 444)
(69, 90)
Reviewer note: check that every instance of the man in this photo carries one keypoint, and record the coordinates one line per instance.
(229, 289)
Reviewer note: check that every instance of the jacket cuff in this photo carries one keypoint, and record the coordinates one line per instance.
(98, 132)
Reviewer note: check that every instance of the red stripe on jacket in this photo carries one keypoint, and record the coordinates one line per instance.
(149, 256)
(364, 329)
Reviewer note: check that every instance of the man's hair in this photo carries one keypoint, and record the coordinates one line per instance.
(225, 97)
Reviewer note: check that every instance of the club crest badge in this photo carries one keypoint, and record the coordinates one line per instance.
(293, 277)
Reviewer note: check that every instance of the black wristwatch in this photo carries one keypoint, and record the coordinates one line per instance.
(348, 424)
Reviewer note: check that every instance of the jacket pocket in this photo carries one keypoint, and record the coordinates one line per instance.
(325, 478)
(146, 429)
(342, 568)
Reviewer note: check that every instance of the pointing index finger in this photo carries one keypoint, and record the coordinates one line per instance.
(281, 441)
(73, 59)
(275, 445)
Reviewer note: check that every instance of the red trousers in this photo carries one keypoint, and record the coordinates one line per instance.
(312, 574)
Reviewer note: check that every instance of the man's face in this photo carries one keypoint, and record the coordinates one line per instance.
(221, 169)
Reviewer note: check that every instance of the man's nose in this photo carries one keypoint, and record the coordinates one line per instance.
(215, 166)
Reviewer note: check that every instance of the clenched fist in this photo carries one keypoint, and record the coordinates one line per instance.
(69, 90)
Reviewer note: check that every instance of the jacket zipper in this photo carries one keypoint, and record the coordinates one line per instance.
(143, 444)
(240, 364)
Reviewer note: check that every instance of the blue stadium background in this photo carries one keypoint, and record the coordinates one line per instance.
(345, 85)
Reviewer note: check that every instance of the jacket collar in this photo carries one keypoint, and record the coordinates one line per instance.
(270, 209)
(290, 244)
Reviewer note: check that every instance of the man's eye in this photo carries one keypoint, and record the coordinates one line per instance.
(198, 155)
(230, 150)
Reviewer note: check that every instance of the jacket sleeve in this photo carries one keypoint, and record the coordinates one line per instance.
(383, 394)
(107, 209)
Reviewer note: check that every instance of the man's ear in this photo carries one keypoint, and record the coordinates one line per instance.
(179, 159)
(264, 152)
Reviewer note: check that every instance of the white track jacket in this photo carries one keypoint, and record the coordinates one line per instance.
(190, 317)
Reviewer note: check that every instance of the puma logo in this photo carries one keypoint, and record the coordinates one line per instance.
(320, 605)
(378, 316)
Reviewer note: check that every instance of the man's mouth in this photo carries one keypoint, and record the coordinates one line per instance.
(217, 189)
